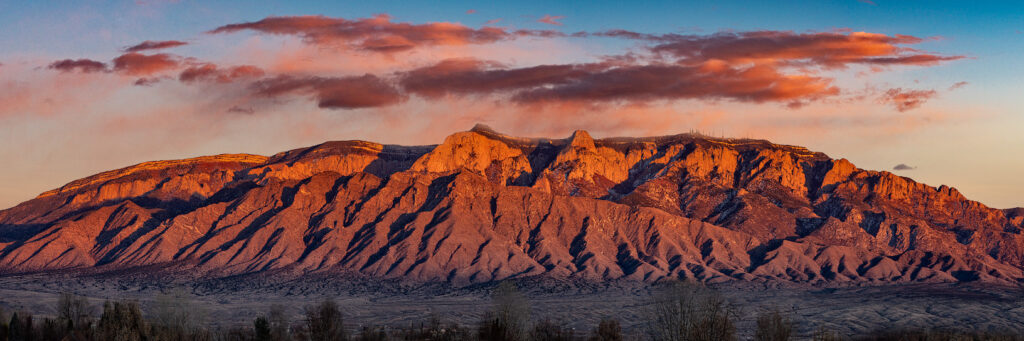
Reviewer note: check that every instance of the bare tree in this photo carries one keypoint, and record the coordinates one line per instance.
(324, 322)
(278, 323)
(772, 325)
(509, 316)
(74, 312)
(690, 312)
(121, 321)
(174, 310)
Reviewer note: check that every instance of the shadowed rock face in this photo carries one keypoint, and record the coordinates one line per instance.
(483, 206)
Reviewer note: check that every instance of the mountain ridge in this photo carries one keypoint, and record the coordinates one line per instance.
(485, 206)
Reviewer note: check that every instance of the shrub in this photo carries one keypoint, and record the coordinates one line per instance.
(261, 329)
(548, 330)
(823, 334)
(607, 330)
(370, 333)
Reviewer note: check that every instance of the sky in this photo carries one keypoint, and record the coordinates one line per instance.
(926, 89)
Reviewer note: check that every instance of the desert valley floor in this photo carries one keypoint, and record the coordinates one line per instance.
(847, 310)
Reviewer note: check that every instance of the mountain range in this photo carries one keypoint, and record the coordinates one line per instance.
(484, 206)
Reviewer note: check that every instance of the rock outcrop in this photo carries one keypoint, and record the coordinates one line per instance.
(484, 206)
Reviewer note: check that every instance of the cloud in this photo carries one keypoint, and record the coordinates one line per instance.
(377, 34)
(835, 49)
(869, 2)
(904, 100)
(551, 19)
(154, 45)
(78, 65)
(603, 82)
(240, 110)
(357, 92)
(958, 85)
(146, 81)
(471, 11)
(137, 64)
(902, 167)
(471, 76)
(208, 72)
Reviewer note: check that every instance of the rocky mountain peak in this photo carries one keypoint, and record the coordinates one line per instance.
(581, 139)
(485, 206)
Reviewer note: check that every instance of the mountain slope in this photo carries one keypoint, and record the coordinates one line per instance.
(484, 206)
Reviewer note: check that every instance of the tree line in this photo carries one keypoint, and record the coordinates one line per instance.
(679, 312)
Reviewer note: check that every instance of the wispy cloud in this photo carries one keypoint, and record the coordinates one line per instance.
(837, 49)
(208, 72)
(379, 33)
(154, 45)
(904, 100)
(551, 19)
(78, 65)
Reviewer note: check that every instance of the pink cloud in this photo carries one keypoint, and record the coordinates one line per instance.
(551, 19)
(376, 34)
(212, 73)
(137, 64)
(836, 49)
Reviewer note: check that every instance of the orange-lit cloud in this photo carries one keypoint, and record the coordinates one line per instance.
(333, 93)
(551, 19)
(379, 33)
(137, 64)
(603, 82)
(904, 100)
(208, 72)
(836, 49)
(79, 65)
(787, 68)
(154, 45)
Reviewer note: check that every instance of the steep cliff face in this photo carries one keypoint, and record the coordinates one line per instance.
(484, 206)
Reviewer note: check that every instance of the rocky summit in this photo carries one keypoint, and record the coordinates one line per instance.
(484, 206)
